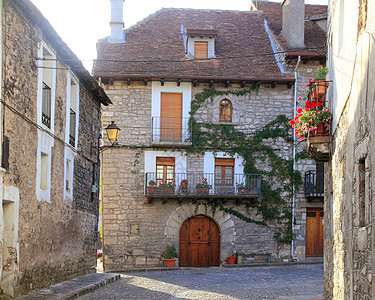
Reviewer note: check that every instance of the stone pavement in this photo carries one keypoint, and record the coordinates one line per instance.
(275, 282)
(74, 288)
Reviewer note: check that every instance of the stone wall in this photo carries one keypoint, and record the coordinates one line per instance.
(56, 240)
(349, 237)
(124, 206)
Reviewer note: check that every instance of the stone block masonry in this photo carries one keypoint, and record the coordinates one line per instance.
(55, 240)
(123, 179)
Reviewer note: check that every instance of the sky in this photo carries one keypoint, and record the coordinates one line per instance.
(80, 23)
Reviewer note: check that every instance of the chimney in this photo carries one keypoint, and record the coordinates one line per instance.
(117, 22)
(293, 29)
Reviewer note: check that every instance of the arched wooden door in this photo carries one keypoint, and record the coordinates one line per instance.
(199, 243)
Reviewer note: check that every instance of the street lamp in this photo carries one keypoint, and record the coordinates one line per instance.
(113, 132)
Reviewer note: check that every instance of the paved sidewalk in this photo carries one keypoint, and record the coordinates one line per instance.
(292, 282)
(74, 288)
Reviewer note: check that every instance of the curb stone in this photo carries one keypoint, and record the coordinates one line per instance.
(74, 288)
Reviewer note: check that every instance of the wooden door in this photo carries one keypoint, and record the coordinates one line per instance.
(199, 243)
(314, 232)
(171, 117)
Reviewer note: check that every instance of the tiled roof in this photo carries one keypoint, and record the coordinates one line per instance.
(241, 35)
(314, 35)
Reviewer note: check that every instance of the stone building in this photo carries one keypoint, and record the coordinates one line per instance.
(349, 232)
(181, 83)
(50, 125)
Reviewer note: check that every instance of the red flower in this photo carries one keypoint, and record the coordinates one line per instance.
(299, 98)
(299, 110)
(292, 122)
(320, 104)
(313, 105)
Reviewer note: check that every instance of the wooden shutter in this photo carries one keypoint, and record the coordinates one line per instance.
(165, 161)
(46, 105)
(200, 50)
(171, 117)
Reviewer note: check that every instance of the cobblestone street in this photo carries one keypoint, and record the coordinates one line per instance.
(278, 282)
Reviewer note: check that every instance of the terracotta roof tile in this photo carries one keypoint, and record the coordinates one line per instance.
(314, 35)
(159, 37)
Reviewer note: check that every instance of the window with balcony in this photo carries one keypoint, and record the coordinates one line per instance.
(224, 172)
(225, 111)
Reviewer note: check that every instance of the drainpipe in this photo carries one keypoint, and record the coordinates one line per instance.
(294, 150)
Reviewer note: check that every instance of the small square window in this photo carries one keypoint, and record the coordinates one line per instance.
(201, 50)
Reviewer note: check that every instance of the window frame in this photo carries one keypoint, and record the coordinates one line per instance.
(224, 163)
(165, 162)
(202, 54)
(221, 108)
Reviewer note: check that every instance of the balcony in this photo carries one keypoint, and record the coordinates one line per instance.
(192, 186)
(314, 185)
(168, 131)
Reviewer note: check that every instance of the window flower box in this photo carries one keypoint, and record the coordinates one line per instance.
(203, 190)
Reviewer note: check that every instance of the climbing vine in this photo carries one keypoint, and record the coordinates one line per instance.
(279, 179)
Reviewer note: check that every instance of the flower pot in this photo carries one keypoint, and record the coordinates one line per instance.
(242, 191)
(231, 260)
(151, 190)
(203, 190)
(321, 87)
(321, 131)
(165, 190)
(170, 263)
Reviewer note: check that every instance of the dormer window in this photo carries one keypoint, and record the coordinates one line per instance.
(200, 50)
(200, 43)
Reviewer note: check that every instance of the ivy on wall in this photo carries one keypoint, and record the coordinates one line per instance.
(279, 181)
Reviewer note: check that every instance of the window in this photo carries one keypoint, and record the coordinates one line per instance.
(47, 79)
(224, 169)
(225, 113)
(44, 171)
(73, 115)
(362, 192)
(201, 50)
(46, 105)
(165, 167)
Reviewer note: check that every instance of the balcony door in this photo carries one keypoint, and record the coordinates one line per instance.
(171, 117)
(224, 170)
(164, 169)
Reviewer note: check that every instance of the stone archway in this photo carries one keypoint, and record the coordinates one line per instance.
(186, 211)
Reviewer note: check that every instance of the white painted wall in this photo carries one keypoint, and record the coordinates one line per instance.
(341, 55)
(150, 160)
(45, 141)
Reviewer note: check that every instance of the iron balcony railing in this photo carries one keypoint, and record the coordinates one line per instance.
(202, 184)
(314, 184)
(170, 130)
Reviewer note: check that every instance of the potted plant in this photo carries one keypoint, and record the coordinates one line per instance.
(166, 187)
(321, 85)
(184, 185)
(170, 255)
(312, 121)
(151, 187)
(99, 254)
(203, 187)
(242, 188)
(231, 259)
